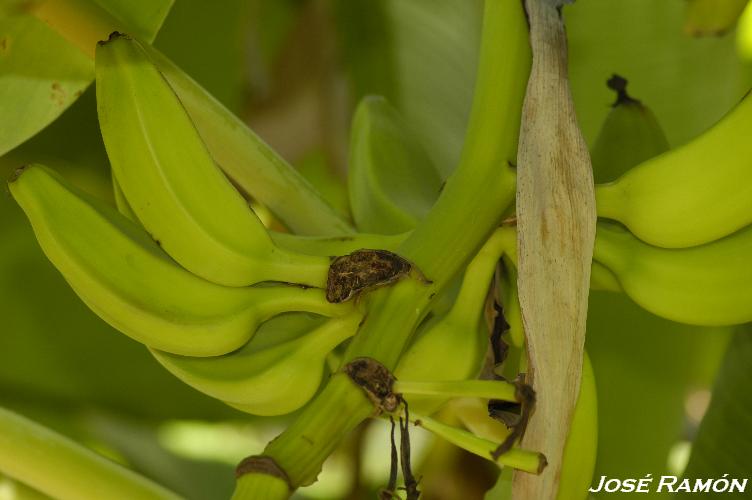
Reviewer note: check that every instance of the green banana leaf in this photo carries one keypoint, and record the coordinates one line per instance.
(392, 183)
(422, 56)
(41, 74)
(724, 439)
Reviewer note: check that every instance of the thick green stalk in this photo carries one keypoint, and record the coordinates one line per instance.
(61, 468)
(470, 207)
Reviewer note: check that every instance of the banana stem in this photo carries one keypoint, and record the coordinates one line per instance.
(260, 487)
(486, 389)
(516, 458)
(57, 466)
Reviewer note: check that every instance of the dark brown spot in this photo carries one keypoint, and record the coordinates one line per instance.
(376, 381)
(350, 275)
(17, 173)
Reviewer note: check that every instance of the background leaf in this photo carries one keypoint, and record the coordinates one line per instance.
(41, 73)
(724, 439)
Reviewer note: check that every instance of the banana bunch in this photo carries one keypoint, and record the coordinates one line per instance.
(184, 265)
(172, 185)
(124, 276)
(690, 195)
(685, 252)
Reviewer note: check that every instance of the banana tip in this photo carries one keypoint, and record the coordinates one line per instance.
(17, 173)
(114, 36)
(542, 463)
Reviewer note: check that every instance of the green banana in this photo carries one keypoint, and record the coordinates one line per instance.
(578, 461)
(172, 183)
(124, 277)
(712, 17)
(120, 202)
(691, 195)
(391, 180)
(460, 338)
(629, 135)
(706, 285)
(275, 373)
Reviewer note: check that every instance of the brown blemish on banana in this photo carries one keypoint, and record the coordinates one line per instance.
(376, 381)
(58, 94)
(350, 275)
(17, 173)
(261, 464)
(114, 36)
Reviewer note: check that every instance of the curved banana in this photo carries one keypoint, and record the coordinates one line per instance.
(460, 338)
(706, 285)
(630, 135)
(124, 277)
(691, 195)
(712, 17)
(275, 373)
(578, 461)
(172, 183)
(391, 180)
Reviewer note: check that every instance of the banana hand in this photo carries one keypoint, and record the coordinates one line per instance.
(706, 285)
(691, 195)
(124, 277)
(172, 184)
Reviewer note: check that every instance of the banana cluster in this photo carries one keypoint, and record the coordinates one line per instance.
(675, 224)
(184, 265)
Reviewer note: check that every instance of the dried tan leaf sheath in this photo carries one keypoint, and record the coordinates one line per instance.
(556, 230)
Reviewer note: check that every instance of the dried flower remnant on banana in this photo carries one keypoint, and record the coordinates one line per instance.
(349, 275)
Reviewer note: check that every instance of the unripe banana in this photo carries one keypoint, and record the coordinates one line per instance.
(124, 277)
(630, 134)
(578, 461)
(705, 285)
(120, 202)
(458, 341)
(691, 195)
(172, 183)
(712, 17)
(391, 180)
(273, 374)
